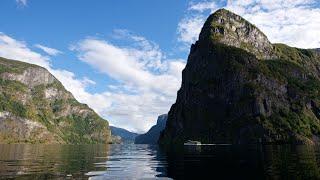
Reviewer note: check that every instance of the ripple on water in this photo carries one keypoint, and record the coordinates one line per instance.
(131, 161)
(143, 161)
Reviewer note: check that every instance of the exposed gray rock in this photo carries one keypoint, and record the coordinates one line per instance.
(36, 108)
(230, 29)
(14, 127)
(32, 76)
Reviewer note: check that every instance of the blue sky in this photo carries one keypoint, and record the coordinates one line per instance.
(124, 58)
(59, 23)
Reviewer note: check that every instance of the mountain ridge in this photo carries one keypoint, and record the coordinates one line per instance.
(36, 108)
(234, 94)
(230, 29)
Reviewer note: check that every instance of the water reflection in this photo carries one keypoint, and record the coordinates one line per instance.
(49, 161)
(245, 162)
(292, 162)
(133, 161)
(143, 161)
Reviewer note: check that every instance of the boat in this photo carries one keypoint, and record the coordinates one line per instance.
(192, 143)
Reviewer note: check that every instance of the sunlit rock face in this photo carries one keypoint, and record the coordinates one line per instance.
(230, 29)
(36, 108)
(32, 76)
(237, 87)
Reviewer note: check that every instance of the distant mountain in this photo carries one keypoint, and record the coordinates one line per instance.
(126, 136)
(152, 136)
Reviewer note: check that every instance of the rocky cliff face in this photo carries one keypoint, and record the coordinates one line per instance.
(152, 136)
(237, 87)
(35, 108)
(230, 29)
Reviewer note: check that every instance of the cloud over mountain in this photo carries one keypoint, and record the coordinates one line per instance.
(145, 85)
(294, 22)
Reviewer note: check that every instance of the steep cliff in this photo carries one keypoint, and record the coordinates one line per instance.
(36, 108)
(152, 136)
(237, 87)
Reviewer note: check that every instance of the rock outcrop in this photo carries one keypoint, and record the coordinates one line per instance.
(36, 108)
(237, 87)
(230, 29)
(152, 136)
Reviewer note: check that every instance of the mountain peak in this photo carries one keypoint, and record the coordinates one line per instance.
(226, 27)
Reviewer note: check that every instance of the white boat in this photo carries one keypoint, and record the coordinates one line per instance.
(192, 143)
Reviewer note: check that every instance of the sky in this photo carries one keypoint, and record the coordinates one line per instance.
(124, 58)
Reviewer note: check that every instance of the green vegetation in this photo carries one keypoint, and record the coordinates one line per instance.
(10, 105)
(277, 100)
(9, 97)
(62, 115)
(292, 54)
(10, 66)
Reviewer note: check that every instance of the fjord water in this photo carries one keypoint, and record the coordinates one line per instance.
(144, 161)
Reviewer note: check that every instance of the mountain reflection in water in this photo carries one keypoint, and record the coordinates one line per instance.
(144, 161)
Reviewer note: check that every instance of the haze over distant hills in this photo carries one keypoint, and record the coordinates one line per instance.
(152, 136)
(126, 136)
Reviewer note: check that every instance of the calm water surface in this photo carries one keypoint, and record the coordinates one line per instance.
(148, 162)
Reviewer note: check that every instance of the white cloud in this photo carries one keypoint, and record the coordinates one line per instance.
(189, 28)
(48, 50)
(294, 22)
(13, 49)
(131, 66)
(17, 50)
(22, 2)
(203, 6)
(147, 81)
